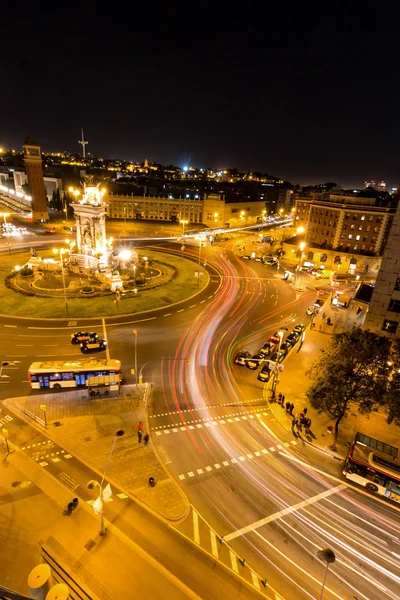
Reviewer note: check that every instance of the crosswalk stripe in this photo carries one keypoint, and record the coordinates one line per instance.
(256, 581)
(234, 561)
(214, 545)
(196, 527)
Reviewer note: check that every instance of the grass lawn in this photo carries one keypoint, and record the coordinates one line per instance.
(179, 288)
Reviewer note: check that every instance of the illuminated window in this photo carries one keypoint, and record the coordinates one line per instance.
(390, 326)
(357, 237)
(350, 236)
(362, 217)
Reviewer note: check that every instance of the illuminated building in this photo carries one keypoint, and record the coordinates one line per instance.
(34, 171)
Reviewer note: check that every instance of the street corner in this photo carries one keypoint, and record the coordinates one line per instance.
(164, 498)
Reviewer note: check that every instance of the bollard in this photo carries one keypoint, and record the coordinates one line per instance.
(221, 540)
(152, 483)
(242, 561)
(264, 582)
(70, 507)
(75, 503)
(40, 581)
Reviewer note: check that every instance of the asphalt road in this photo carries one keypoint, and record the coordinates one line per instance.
(232, 459)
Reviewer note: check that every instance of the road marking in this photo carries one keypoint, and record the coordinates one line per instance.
(43, 464)
(9, 325)
(24, 345)
(256, 581)
(272, 449)
(208, 468)
(15, 355)
(264, 451)
(167, 315)
(191, 474)
(242, 458)
(49, 345)
(122, 496)
(234, 562)
(200, 471)
(214, 545)
(181, 477)
(293, 442)
(196, 527)
(257, 454)
(193, 305)
(181, 310)
(202, 301)
(56, 460)
(284, 512)
(217, 466)
(225, 463)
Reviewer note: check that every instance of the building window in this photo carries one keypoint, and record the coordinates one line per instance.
(397, 285)
(352, 226)
(365, 238)
(342, 236)
(389, 326)
(354, 217)
(360, 228)
(378, 219)
(324, 258)
(355, 247)
(373, 240)
(394, 306)
(350, 236)
(362, 217)
(344, 226)
(376, 229)
(357, 237)
(370, 218)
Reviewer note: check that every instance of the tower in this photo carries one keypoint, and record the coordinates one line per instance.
(34, 171)
(83, 143)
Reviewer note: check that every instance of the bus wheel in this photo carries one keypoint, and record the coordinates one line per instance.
(57, 386)
(371, 487)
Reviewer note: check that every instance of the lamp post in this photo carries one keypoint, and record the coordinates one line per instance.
(92, 484)
(136, 373)
(183, 222)
(280, 334)
(302, 245)
(61, 251)
(329, 557)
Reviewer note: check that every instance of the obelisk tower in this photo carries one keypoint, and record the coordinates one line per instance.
(34, 171)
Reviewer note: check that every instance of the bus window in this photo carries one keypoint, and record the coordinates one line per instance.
(80, 378)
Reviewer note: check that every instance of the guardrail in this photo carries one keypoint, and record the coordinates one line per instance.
(30, 414)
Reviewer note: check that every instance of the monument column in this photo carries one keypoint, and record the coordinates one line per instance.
(34, 171)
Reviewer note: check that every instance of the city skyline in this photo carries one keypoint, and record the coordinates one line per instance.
(308, 96)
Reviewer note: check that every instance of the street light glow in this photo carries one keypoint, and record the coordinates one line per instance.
(302, 245)
(125, 254)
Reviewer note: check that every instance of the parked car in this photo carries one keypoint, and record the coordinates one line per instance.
(266, 349)
(270, 262)
(264, 374)
(274, 339)
(246, 257)
(274, 356)
(299, 328)
(242, 358)
(310, 310)
(83, 336)
(258, 259)
(286, 347)
(293, 337)
(255, 361)
(93, 345)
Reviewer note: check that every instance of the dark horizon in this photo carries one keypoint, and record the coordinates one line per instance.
(309, 95)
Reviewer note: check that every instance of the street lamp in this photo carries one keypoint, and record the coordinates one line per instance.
(280, 334)
(136, 373)
(183, 222)
(216, 215)
(62, 251)
(99, 503)
(300, 229)
(302, 245)
(329, 557)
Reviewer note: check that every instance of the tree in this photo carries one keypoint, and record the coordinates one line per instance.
(352, 373)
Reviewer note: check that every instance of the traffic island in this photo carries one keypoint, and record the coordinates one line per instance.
(168, 279)
(86, 430)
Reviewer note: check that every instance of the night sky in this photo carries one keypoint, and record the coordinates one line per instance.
(310, 94)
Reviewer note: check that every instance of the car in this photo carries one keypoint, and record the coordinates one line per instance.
(274, 339)
(310, 310)
(293, 337)
(50, 231)
(274, 356)
(286, 347)
(255, 361)
(93, 345)
(299, 328)
(264, 374)
(270, 262)
(258, 259)
(83, 336)
(318, 303)
(266, 349)
(246, 257)
(242, 357)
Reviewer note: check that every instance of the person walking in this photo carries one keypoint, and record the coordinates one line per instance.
(140, 426)
(279, 398)
(139, 436)
(146, 439)
(291, 408)
(305, 411)
(283, 399)
(287, 407)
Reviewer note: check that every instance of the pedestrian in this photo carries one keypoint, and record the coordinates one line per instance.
(291, 408)
(294, 423)
(305, 411)
(279, 398)
(283, 399)
(140, 427)
(146, 439)
(287, 406)
(139, 436)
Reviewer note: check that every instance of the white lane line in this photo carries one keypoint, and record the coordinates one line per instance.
(208, 468)
(293, 442)
(193, 305)
(56, 460)
(9, 325)
(181, 477)
(167, 315)
(122, 496)
(214, 545)
(17, 355)
(255, 580)
(196, 529)
(202, 301)
(49, 345)
(284, 512)
(43, 464)
(234, 562)
(217, 466)
(225, 463)
(272, 449)
(200, 471)
(181, 310)
(191, 474)
(24, 345)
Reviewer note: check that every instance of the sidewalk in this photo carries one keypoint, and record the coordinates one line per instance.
(87, 430)
(293, 383)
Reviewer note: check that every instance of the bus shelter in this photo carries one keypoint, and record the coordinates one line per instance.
(104, 385)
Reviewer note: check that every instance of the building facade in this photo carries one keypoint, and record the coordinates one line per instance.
(212, 210)
(384, 311)
(34, 171)
(345, 223)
